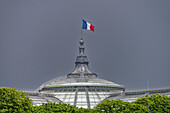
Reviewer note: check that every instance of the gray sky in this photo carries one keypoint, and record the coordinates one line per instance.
(130, 45)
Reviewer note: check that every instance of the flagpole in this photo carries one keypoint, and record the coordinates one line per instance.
(81, 29)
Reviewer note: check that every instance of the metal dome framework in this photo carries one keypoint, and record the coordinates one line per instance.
(81, 87)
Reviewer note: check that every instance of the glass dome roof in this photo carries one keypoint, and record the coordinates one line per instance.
(81, 87)
(82, 92)
(82, 81)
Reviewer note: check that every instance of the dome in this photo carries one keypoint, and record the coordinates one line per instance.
(81, 87)
(83, 92)
(84, 81)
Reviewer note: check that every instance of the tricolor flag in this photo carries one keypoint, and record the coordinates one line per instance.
(88, 26)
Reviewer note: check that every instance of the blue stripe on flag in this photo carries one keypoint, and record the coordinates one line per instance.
(84, 24)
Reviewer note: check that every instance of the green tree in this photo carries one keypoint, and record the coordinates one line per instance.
(156, 103)
(85, 110)
(13, 101)
(110, 106)
(136, 108)
(119, 106)
(59, 108)
(55, 108)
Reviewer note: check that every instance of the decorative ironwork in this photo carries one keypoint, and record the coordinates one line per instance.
(81, 64)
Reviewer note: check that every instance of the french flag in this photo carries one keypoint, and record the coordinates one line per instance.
(88, 26)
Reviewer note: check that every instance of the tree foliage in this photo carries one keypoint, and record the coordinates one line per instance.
(156, 103)
(119, 106)
(12, 101)
(59, 108)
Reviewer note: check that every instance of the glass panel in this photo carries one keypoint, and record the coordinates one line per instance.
(72, 100)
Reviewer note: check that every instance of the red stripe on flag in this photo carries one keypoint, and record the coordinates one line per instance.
(92, 27)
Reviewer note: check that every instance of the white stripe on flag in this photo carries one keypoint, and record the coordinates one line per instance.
(88, 26)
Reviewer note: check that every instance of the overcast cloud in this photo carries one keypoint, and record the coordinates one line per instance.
(130, 45)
